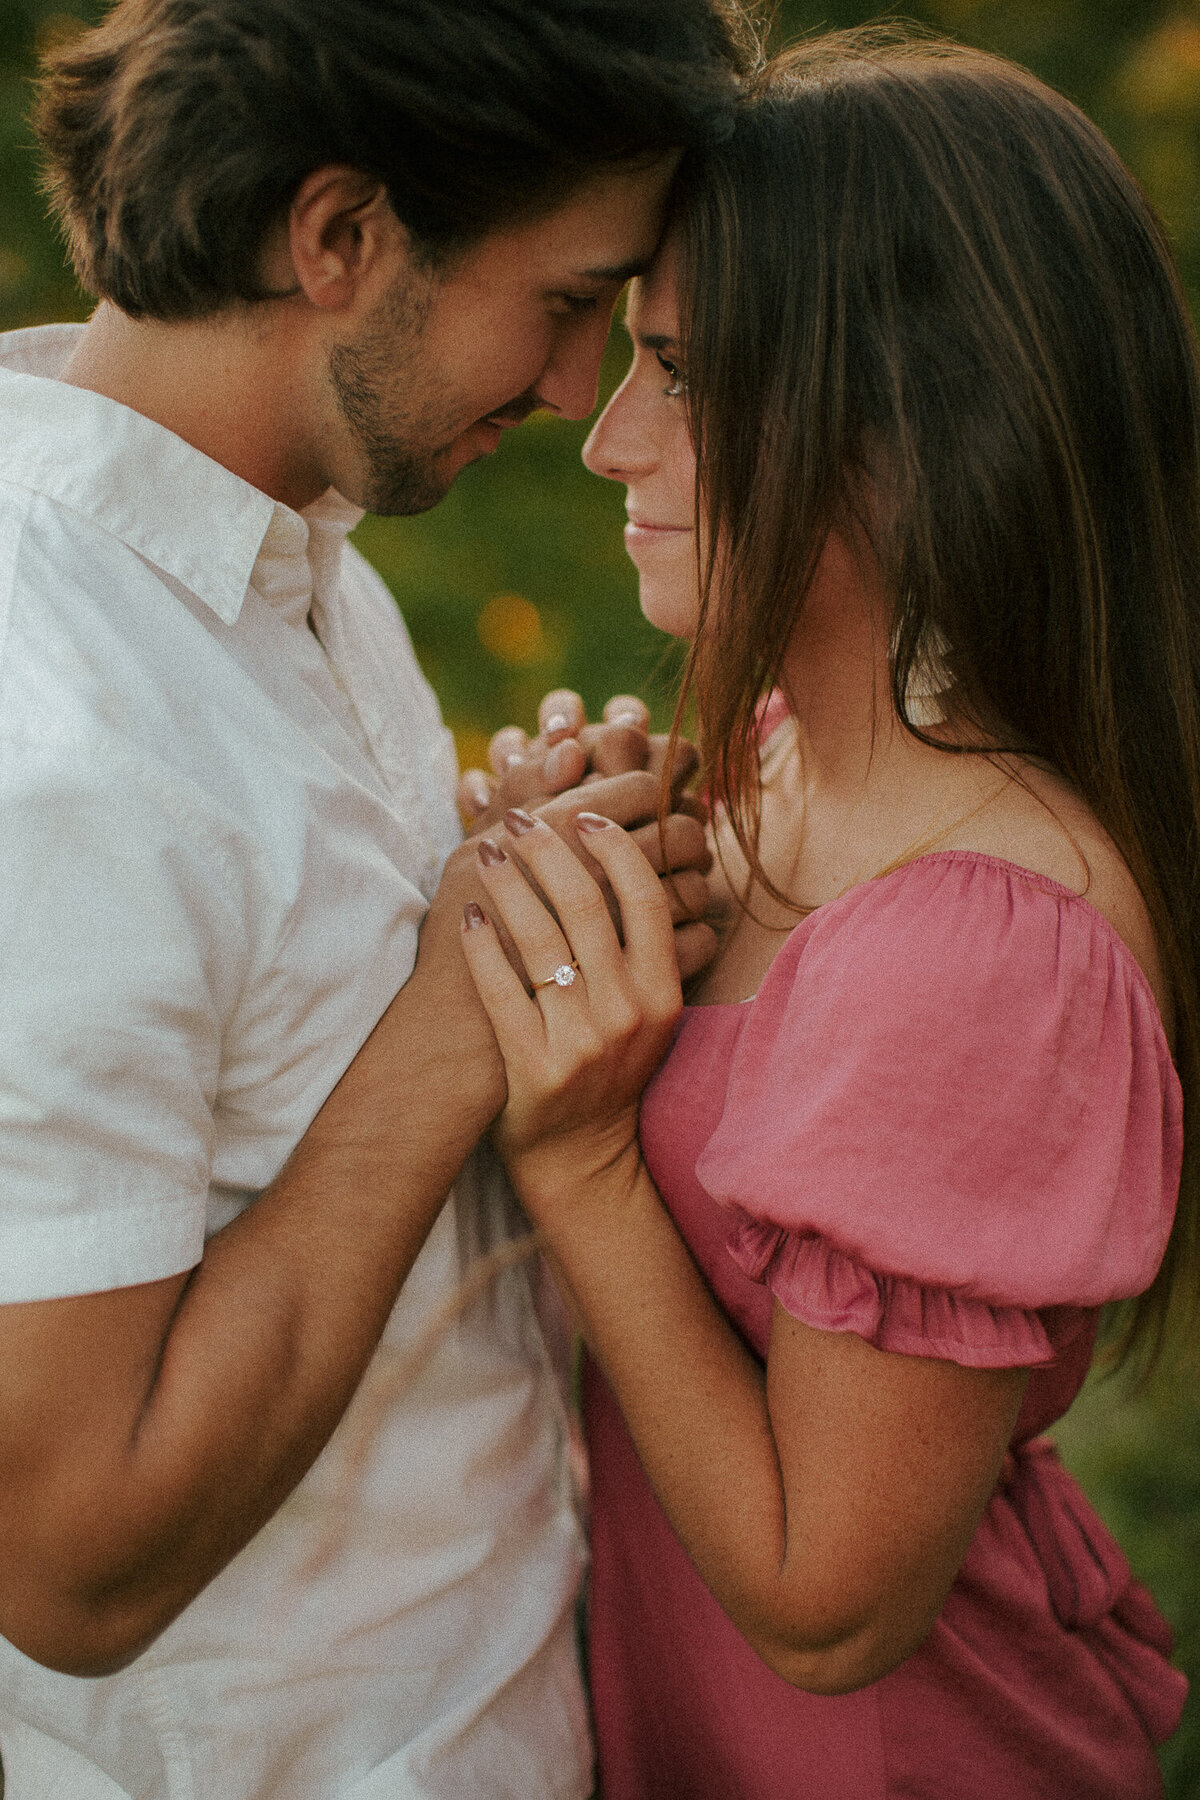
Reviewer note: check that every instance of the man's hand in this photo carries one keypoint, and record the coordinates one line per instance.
(567, 752)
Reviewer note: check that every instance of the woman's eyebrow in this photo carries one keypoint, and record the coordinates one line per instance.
(653, 340)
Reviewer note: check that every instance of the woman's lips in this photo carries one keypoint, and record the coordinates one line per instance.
(641, 532)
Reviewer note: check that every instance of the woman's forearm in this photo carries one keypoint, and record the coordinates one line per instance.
(695, 1401)
(802, 1495)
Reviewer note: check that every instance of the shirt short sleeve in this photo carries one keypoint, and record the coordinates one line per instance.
(951, 1106)
(119, 951)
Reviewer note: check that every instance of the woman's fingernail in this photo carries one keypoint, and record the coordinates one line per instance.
(556, 722)
(591, 822)
(628, 718)
(490, 854)
(473, 916)
(513, 760)
(518, 822)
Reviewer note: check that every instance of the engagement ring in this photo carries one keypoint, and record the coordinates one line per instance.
(563, 976)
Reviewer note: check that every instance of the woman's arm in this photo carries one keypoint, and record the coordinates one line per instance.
(827, 1504)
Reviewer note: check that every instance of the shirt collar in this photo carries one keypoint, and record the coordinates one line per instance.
(183, 512)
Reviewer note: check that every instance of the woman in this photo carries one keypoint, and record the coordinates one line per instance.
(918, 330)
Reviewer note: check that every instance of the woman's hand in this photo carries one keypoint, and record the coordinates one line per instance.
(578, 1050)
(828, 1502)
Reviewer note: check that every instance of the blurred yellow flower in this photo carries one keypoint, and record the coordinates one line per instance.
(1163, 74)
(511, 628)
(471, 743)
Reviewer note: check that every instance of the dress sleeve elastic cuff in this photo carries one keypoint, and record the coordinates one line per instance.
(826, 1288)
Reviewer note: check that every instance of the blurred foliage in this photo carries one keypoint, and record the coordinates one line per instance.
(1138, 1457)
(519, 582)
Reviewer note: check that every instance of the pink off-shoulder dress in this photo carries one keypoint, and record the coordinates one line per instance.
(950, 1123)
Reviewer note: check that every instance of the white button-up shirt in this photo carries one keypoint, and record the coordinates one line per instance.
(219, 831)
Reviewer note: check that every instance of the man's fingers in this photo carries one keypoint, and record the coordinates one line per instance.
(695, 947)
(684, 763)
(687, 896)
(695, 806)
(509, 747)
(474, 793)
(627, 709)
(565, 766)
(616, 748)
(682, 838)
(560, 714)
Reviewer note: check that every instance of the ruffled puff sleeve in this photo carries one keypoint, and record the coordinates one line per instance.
(951, 1107)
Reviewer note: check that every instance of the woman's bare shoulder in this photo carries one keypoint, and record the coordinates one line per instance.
(1038, 822)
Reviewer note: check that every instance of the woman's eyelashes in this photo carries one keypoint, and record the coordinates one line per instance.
(675, 373)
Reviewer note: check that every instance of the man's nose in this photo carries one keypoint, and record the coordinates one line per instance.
(570, 382)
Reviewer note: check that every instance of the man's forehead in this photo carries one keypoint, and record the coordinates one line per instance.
(609, 230)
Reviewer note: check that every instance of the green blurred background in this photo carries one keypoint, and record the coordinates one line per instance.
(519, 582)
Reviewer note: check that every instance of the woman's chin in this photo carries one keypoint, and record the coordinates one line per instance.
(669, 608)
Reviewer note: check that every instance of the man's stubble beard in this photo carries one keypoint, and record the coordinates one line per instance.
(398, 416)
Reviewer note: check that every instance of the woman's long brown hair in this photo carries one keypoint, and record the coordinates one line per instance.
(915, 263)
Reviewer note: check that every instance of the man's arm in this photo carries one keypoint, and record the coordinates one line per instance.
(147, 1433)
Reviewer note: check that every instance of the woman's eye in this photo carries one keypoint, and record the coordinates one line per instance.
(672, 370)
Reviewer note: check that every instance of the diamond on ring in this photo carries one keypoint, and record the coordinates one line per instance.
(563, 977)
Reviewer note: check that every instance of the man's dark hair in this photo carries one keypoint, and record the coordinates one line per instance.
(176, 131)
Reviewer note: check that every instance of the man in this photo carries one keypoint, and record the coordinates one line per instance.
(341, 246)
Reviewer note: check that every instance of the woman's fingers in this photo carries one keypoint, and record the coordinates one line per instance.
(645, 914)
(565, 765)
(530, 924)
(647, 965)
(515, 1018)
(582, 911)
(587, 936)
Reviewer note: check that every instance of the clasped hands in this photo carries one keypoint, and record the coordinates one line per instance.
(613, 767)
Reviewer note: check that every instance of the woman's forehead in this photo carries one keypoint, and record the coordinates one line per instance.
(652, 308)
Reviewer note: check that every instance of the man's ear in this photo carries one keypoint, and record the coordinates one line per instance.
(342, 237)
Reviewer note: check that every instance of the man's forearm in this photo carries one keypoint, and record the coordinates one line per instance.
(261, 1347)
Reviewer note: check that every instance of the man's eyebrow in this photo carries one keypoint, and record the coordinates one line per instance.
(621, 272)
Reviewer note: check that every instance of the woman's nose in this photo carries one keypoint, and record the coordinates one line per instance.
(616, 448)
